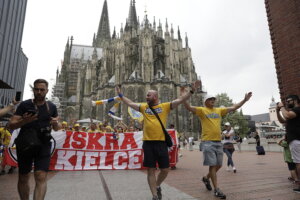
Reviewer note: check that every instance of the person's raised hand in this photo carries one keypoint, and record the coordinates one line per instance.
(118, 89)
(182, 91)
(248, 96)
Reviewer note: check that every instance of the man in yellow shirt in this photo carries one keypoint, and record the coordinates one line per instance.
(212, 147)
(5, 137)
(154, 145)
(93, 128)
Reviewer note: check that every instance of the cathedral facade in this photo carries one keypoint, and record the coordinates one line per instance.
(140, 57)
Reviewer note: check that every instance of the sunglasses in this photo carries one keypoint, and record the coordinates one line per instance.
(39, 89)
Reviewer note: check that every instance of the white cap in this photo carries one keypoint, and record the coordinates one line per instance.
(227, 124)
(208, 97)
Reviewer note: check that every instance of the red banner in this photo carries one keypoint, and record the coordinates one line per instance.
(93, 151)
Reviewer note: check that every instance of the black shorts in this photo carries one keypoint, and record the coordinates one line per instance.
(291, 166)
(156, 152)
(40, 157)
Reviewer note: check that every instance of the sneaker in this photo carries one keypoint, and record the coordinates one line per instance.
(155, 198)
(2, 172)
(234, 170)
(11, 170)
(297, 190)
(291, 179)
(206, 183)
(219, 193)
(159, 195)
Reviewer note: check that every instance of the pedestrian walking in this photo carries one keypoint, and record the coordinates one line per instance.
(154, 145)
(239, 141)
(228, 146)
(36, 117)
(212, 147)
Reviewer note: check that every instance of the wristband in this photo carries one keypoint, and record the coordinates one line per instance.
(191, 91)
(120, 95)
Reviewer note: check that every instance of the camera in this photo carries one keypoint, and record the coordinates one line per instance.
(45, 134)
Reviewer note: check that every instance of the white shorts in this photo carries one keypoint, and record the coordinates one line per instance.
(295, 150)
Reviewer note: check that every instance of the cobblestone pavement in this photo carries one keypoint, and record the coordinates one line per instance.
(257, 177)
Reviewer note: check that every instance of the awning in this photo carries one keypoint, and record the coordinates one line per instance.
(4, 85)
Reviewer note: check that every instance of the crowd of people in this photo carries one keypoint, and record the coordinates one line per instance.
(35, 118)
(93, 127)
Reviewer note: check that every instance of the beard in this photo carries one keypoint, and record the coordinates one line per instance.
(291, 105)
(39, 97)
(150, 102)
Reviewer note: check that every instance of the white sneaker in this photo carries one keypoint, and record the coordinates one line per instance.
(234, 170)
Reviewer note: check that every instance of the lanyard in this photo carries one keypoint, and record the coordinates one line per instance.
(36, 108)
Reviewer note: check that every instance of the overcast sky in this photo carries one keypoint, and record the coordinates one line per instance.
(230, 40)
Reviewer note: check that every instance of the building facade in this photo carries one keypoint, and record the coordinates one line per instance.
(13, 62)
(284, 25)
(140, 57)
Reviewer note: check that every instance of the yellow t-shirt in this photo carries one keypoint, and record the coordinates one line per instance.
(152, 128)
(211, 122)
(5, 136)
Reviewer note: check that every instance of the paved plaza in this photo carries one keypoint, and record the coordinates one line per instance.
(257, 177)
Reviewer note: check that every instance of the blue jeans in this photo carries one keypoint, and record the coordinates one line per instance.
(229, 153)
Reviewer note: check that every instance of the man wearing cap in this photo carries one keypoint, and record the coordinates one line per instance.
(228, 147)
(289, 114)
(212, 147)
(76, 127)
(64, 125)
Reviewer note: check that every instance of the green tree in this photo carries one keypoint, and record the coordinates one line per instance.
(236, 118)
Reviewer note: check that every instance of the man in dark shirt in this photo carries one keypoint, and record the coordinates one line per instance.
(290, 116)
(40, 116)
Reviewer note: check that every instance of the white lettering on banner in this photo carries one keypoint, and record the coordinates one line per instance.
(101, 141)
(90, 160)
(92, 151)
(63, 160)
(79, 155)
(134, 159)
(118, 160)
(102, 165)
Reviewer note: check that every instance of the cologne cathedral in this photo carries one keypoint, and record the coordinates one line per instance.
(140, 57)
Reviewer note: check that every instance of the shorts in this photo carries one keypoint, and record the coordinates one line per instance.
(295, 150)
(156, 152)
(291, 165)
(212, 153)
(40, 157)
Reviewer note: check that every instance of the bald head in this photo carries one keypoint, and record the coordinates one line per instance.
(152, 97)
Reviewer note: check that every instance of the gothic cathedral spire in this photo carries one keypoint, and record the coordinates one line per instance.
(103, 34)
(132, 17)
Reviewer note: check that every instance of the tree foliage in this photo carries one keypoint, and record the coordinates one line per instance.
(236, 118)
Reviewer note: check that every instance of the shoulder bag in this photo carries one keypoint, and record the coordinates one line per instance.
(168, 138)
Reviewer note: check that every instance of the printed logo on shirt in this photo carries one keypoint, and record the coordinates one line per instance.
(213, 116)
(149, 112)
